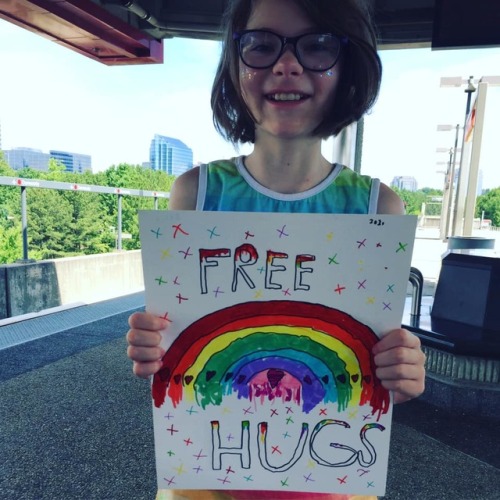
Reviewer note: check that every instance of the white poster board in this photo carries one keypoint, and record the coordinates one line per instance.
(268, 382)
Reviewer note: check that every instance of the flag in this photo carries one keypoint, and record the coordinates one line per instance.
(470, 123)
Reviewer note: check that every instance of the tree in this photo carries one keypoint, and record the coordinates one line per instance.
(414, 200)
(134, 177)
(50, 225)
(11, 244)
(6, 192)
(91, 224)
(56, 171)
(10, 233)
(5, 168)
(64, 223)
(490, 204)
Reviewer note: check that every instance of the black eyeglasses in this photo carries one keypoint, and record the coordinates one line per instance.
(260, 49)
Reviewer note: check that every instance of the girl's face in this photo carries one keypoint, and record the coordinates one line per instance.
(286, 100)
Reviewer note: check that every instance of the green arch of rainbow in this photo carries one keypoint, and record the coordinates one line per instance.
(189, 353)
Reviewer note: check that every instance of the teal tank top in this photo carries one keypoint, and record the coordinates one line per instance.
(226, 185)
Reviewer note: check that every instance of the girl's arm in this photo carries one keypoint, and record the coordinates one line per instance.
(398, 356)
(144, 336)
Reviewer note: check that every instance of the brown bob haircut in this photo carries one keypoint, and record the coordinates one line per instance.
(359, 83)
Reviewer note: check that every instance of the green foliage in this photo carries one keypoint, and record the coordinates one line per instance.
(30, 173)
(65, 223)
(5, 167)
(414, 200)
(11, 244)
(91, 235)
(51, 230)
(490, 204)
(134, 177)
(9, 199)
(56, 171)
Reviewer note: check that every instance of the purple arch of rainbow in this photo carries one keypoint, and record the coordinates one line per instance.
(171, 378)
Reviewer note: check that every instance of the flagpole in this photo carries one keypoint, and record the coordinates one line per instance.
(459, 208)
(477, 134)
(449, 209)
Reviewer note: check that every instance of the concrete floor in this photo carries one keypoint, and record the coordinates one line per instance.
(76, 424)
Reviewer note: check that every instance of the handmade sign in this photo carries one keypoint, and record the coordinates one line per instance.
(268, 382)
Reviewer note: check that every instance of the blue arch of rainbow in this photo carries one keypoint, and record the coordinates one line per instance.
(325, 350)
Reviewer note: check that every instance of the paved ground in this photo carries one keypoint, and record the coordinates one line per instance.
(76, 424)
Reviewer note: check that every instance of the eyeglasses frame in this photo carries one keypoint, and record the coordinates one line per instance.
(285, 40)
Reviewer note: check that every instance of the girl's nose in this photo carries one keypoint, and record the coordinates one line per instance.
(288, 64)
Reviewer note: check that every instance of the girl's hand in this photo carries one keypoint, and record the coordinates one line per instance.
(400, 364)
(144, 343)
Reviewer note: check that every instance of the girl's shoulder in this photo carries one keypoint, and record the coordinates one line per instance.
(185, 190)
(389, 202)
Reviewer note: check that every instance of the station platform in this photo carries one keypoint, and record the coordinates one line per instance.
(76, 423)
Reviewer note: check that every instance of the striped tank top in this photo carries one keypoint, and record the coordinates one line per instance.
(226, 185)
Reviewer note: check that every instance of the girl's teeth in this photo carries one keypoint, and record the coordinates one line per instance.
(286, 97)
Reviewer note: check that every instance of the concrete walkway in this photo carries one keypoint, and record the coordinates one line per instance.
(76, 424)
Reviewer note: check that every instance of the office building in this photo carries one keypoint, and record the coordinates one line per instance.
(19, 158)
(405, 182)
(74, 162)
(170, 155)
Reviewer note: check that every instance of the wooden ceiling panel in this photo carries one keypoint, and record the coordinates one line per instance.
(85, 27)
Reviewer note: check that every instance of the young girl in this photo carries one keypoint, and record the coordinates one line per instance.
(292, 73)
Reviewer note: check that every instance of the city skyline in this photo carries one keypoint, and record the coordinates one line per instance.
(112, 113)
(34, 158)
(167, 154)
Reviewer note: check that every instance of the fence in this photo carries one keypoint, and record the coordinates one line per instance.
(434, 221)
(24, 184)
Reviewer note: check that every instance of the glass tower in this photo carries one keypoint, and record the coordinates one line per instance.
(74, 162)
(170, 155)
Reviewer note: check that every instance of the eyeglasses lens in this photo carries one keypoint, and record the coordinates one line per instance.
(316, 52)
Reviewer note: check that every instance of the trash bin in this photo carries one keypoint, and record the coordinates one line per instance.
(470, 243)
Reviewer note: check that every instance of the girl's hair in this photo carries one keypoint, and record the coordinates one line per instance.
(360, 75)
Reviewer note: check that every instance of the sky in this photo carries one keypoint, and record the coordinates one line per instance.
(54, 98)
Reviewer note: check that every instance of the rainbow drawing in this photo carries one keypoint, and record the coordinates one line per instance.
(299, 352)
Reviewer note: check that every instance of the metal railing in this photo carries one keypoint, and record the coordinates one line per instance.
(417, 281)
(24, 184)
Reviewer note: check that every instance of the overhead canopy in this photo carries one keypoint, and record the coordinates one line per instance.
(131, 31)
